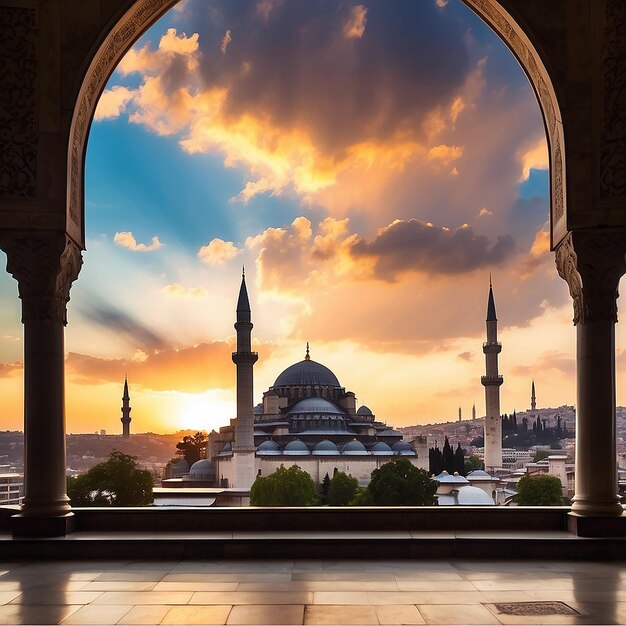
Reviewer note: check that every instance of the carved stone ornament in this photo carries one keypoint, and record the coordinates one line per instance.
(45, 264)
(18, 122)
(592, 263)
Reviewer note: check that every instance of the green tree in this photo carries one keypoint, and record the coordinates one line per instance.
(192, 448)
(542, 490)
(324, 487)
(115, 482)
(473, 463)
(285, 487)
(540, 455)
(362, 497)
(400, 483)
(342, 489)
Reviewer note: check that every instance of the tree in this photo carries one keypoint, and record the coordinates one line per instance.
(325, 486)
(192, 448)
(363, 497)
(540, 455)
(542, 490)
(459, 459)
(400, 483)
(342, 489)
(448, 457)
(115, 482)
(285, 487)
(473, 463)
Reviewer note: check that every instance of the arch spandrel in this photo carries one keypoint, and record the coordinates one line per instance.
(141, 14)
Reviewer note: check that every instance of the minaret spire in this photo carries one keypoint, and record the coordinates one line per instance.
(126, 419)
(492, 381)
(533, 397)
(244, 359)
(460, 414)
(307, 356)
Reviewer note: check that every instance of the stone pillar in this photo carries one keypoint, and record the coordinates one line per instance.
(44, 264)
(592, 262)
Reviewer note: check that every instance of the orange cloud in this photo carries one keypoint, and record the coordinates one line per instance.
(10, 369)
(535, 157)
(217, 252)
(113, 102)
(355, 24)
(226, 39)
(127, 240)
(538, 254)
(178, 291)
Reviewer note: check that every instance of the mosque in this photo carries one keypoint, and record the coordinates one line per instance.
(306, 418)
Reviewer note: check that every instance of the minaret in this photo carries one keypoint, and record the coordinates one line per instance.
(474, 411)
(492, 381)
(533, 398)
(126, 411)
(244, 359)
(460, 418)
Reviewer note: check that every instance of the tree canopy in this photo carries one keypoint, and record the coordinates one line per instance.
(400, 483)
(115, 482)
(192, 448)
(342, 489)
(287, 486)
(541, 490)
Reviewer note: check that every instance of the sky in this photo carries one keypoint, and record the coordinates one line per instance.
(371, 164)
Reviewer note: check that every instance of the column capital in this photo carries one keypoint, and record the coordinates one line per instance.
(45, 264)
(591, 262)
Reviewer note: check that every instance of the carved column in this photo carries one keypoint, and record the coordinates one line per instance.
(44, 264)
(592, 263)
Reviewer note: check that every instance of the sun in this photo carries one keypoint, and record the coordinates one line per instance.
(205, 411)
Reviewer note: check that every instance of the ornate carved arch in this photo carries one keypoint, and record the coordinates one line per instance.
(143, 13)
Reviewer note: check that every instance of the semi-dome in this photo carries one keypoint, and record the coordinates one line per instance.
(473, 496)
(296, 448)
(325, 448)
(201, 470)
(479, 474)
(354, 447)
(268, 448)
(307, 373)
(381, 448)
(364, 410)
(315, 405)
(403, 448)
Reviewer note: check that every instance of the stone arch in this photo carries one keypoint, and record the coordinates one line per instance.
(141, 14)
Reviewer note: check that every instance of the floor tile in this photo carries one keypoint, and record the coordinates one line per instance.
(148, 614)
(321, 585)
(197, 586)
(138, 576)
(93, 614)
(456, 614)
(356, 575)
(399, 614)
(8, 596)
(430, 575)
(57, 597)
(340, 614)
(27, 614)
(119, 585)
(537, 583)
(434, 585)
(267, 614)
(144, 597)
(251, 597)
(393, 597)
(214, 614)
(226, 577)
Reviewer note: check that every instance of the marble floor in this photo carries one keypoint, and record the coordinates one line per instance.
(313, 592)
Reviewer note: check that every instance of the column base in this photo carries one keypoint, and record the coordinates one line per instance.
(53, 526)
(596, 526)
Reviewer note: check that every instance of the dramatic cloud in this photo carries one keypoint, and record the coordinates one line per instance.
(535, 157)
(484, 212)
(126, 240)
(217, 252)
(178, 291)
(10, 369)
(112, 103)
(355, 25)
(549, 360)
(226, 39)
(465, 356)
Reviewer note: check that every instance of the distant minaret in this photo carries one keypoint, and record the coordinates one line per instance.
(492, 381)
(533, 398)
(474, 411)
(460, 418)
(126, 411)
(244, 359)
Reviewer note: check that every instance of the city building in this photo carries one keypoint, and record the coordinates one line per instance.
(11, 486)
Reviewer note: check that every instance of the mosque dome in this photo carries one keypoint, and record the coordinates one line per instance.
(473, 496)
(296, 448)
(325, 448)
(258, 409)
(315, 405)
(479, 474)
(354, 447)
(201, 470)
(307, 373)
(268, 448)
(403, 448)
(381, 448)
(364, 410)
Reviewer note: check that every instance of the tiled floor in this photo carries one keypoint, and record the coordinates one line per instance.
(310, 592)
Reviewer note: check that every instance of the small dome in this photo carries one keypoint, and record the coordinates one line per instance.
(258, 409)
(325, 448)
(473, 496)
(451, 479)
(315, 405)
(364, 410)
(307, 373)
(478, 474)
(268, 448)
(201, 470)
(296, 448)
(403, 448)
(354, 447)
(381, 448)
